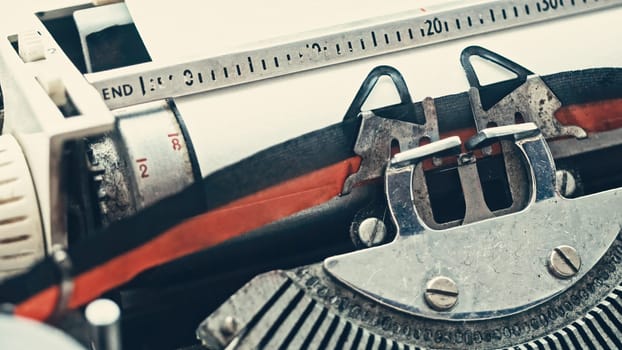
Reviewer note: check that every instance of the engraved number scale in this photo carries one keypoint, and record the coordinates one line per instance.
(150, 81)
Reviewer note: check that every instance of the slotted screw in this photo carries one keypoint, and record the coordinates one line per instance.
(441, 293)
(372, 231)
(565, 182)
(564, 261)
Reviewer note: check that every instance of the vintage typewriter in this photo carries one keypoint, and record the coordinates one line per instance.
(195, 175)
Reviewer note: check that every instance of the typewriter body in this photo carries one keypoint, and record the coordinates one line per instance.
(268, 179)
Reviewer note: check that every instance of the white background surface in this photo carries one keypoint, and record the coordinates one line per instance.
(230, 124)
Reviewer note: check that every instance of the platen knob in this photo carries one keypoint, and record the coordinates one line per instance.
(21, 233)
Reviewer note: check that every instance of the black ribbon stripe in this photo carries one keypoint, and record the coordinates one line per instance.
(275, 165)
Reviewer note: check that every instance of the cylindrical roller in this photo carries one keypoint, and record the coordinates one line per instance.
(103, 317)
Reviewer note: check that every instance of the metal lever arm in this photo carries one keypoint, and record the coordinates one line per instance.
(530, 141)
(527, 97)
(475, 255)
(399, 182)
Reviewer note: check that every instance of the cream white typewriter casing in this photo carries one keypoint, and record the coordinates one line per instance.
(37, 77)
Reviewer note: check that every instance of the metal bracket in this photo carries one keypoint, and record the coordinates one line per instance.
(475, 255)
(533, 146)
(374, 140)
(376, 134)
(66, 285)
(475, 204)
(532, 101)
(528, 100)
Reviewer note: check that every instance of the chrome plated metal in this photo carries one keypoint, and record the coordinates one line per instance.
(103, 316)
(64, 266)
(414, 155)
(475, 204)
(534, 101)
(531, 101)
(372, 232)
(229, 326)
(489, 136)
(374, 141)
(155, 151)
(315, 308)
(144, 160)
(570, 147)
(431, 118)
(474, 255)
(564, 261)
(566, 183)
(441, 293)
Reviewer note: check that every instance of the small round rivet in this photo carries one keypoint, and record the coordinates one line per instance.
(441, 293)
(229, 326)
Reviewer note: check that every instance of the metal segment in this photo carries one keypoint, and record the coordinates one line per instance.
(338, 336)
(490, 135)
(342, 319)
(480, 253)
(269, 321)
(278, 333)
(476, 207)
(308, 319)
(451, 144)
(375, 139)
(323, 332)
(572, 332)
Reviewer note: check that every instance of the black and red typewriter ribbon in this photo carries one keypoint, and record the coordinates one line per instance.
(269, 186)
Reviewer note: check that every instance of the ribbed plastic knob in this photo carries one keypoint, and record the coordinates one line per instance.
(21, 233)
(31, 47)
